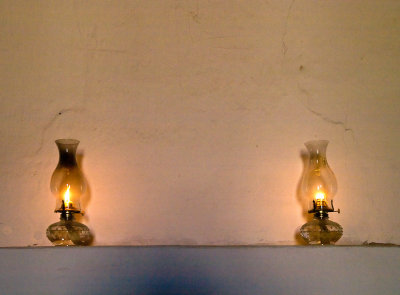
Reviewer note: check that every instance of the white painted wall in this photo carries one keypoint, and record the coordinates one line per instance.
(192, 116)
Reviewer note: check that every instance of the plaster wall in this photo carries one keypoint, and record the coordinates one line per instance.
(192, 116)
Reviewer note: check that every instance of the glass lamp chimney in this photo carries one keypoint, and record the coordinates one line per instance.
(319, 184)
(67, 182)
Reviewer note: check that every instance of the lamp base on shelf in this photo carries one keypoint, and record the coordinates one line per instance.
(68, 232)
(321, 231)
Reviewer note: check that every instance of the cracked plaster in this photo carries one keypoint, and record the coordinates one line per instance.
(192, 116)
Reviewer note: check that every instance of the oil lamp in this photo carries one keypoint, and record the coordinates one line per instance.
(68, 184)
(319, 186)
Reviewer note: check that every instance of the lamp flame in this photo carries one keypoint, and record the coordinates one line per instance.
(67, 199)
(320, 199)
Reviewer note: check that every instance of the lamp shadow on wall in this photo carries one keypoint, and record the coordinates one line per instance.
(304, 156)
(86, 197)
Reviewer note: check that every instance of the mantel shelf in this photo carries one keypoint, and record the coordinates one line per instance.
(200, 270)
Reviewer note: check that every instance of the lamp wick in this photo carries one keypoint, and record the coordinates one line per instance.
(65, 215)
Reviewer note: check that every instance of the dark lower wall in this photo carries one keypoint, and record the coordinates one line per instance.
(200, 270)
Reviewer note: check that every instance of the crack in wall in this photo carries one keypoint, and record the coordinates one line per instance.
(51, 123)
(324, 117)
(284, 46)
(103, 50)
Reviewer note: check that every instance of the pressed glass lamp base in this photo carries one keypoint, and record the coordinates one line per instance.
(321, 231)
(69, 233)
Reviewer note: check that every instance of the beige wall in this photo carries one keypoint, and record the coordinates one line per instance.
(192, 116)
